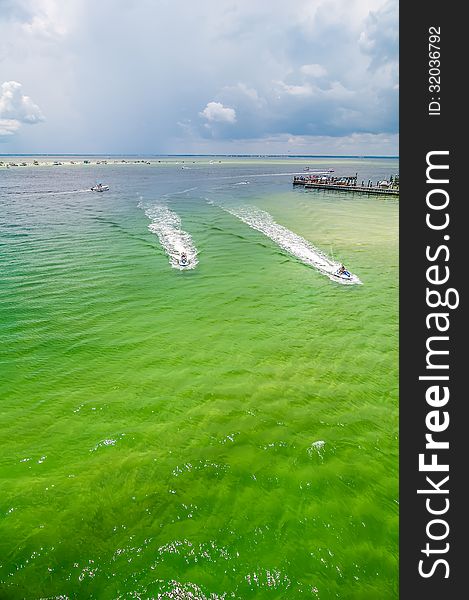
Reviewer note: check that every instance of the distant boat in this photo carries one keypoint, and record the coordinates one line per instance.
(99, 187)
(318, 171)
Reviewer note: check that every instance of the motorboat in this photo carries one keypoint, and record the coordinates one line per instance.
(99, 187)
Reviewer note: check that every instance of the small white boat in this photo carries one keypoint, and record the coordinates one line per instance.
(99, 187)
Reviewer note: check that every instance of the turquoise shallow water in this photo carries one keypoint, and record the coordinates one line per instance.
(226, 431)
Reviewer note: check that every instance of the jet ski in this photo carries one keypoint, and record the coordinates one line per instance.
(342, 273)
(99, 187)
(183, 260)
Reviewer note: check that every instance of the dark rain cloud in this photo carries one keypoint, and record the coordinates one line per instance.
(143, 74)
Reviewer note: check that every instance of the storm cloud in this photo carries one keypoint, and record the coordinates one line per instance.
(212, 76)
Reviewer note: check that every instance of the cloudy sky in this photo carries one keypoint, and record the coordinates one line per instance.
(205, 76)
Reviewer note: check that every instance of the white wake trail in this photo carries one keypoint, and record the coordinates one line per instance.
(166, 224)
(292, 243)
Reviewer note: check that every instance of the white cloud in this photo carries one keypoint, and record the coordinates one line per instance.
(16, 108)
(8, 126)
(296, 90)
(241, 90)
(313, 70)
(50, 20)
(216, 112)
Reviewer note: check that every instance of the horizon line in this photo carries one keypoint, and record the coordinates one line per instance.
(252, 155)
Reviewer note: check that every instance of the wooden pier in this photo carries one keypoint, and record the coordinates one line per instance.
(349, 184)
(352, 188)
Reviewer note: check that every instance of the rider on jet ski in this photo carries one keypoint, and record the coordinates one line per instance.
(343, 271)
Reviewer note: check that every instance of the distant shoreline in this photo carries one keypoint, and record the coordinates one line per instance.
(358, 156)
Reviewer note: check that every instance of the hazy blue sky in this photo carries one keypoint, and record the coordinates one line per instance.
(205, 76)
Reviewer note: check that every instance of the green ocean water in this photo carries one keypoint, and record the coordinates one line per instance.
(228, 431)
